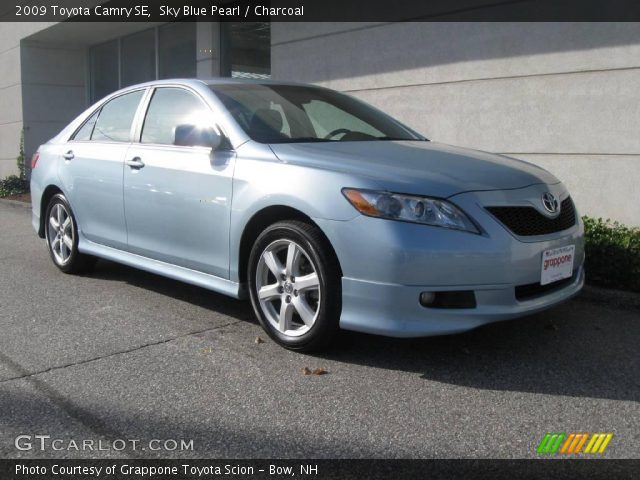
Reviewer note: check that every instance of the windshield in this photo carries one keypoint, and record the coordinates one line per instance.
(292, 114)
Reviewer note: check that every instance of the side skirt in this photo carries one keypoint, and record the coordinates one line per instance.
(200, 279)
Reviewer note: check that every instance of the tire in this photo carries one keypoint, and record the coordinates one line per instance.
(62, 240)
(297, 310)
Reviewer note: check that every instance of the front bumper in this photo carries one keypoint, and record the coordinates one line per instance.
(387, 265)
(395, 310)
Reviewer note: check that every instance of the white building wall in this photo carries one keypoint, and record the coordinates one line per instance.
(11, 91)
(562, 95)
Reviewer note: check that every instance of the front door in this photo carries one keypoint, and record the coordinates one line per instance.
(177, 199)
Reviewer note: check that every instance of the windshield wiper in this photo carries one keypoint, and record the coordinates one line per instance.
(301, 140)
(398, 139)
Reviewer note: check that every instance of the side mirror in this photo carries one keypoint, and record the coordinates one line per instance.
(194, 136)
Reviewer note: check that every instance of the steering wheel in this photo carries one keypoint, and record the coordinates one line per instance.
(337, 131)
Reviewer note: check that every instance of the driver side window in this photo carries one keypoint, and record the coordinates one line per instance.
(169, 108)
(325, 117)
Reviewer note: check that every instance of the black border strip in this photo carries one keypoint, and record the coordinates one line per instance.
(331, 469)
(330, 10)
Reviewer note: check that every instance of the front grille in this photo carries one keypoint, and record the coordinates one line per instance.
(527, 221)
(534, 290)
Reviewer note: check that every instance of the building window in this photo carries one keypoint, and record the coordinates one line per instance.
(167, 51)
(104, 70)
(177, 50)
(246, 49)
(138, 58)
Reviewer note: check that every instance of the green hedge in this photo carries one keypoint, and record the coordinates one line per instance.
(612, 254)
(13, 185)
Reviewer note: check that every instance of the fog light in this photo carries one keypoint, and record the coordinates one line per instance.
(427, 298)
(448, 299)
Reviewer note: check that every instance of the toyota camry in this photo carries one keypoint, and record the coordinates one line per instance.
(326, 212)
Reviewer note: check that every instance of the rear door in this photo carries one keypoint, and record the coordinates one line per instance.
(91, 170)
(177, 198)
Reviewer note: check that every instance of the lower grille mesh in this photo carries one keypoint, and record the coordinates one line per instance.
(534, 290)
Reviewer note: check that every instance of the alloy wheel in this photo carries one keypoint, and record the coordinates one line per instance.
(288, 288)
(60, 233)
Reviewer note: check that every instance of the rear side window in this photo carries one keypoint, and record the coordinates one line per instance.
(115, 118)
(87, 129)
(169, 108)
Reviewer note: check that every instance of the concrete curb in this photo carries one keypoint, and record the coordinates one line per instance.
(14, 203)
(620, 299)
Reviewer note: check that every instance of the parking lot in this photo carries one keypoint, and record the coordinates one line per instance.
(123, 354)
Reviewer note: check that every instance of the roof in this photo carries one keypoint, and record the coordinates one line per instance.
(247, 81)
(199, 82)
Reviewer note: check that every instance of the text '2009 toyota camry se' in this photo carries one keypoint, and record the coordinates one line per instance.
(325, 211)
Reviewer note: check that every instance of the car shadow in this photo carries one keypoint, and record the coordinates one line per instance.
(578, 349)
(200, 297)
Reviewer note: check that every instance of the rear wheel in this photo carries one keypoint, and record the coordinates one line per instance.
(294, 283)
(61, 233)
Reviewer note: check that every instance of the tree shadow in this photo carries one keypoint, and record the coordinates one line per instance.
(420, 45)
(70, 418)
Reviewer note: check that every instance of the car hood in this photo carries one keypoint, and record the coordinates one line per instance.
(417, 167)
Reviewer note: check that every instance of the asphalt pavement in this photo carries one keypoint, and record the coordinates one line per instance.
(121, 354)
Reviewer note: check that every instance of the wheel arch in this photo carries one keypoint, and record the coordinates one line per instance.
(261, 220)
(45, 198)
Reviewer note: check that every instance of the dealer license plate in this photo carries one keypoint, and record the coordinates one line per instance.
(557, 264)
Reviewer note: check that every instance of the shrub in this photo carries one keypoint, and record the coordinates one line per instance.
(20, 160)
(612, 254)
(13, 185)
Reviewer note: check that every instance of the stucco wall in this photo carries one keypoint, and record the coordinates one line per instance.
(563, 95)
(11, 91)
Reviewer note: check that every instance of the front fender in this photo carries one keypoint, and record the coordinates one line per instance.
(261, 180)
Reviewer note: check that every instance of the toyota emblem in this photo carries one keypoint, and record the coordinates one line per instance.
(550, 203)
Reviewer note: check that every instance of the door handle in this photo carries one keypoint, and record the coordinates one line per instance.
(69, 155)
(136, 163)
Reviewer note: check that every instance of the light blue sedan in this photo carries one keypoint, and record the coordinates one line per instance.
(326, 212)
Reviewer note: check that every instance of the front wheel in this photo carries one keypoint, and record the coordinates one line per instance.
(61, 233)
(295, 286)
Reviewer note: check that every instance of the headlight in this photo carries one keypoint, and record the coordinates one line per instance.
(409, 208)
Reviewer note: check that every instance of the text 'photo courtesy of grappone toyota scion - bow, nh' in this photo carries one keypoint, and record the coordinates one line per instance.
(326, 212)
